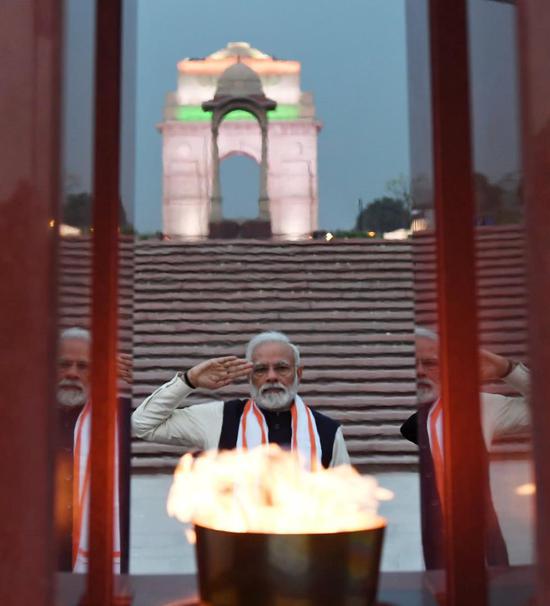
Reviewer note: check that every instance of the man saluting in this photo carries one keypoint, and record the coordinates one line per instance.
(274, 412)
(73, 461)
(500, 415)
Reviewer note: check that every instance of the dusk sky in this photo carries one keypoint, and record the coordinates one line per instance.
(353, 60)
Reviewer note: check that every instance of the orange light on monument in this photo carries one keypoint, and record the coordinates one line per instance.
(265, 524)
(215, 67)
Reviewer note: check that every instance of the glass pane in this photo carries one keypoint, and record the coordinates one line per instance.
(75, 268)
(73, 464)
(424, 428)
(502, 299)
(347, 303)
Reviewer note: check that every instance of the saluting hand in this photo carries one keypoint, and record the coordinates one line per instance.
(492, 366)
(124, 367)
(218, 372)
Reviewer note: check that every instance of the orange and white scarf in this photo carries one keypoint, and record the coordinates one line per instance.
(435, 435)
(81, 494)
(253, 431)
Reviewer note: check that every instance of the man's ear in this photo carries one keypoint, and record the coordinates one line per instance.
(299, 372)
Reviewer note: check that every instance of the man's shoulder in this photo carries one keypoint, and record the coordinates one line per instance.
(488, 398)
(235, 402)
(325, 420)
(234, 406)
(232, 411)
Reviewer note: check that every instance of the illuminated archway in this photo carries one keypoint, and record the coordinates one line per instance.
(212, 114)
(239, 180)
(239, 89)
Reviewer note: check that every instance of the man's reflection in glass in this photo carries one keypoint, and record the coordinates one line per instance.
(500, 415)
(73, 450)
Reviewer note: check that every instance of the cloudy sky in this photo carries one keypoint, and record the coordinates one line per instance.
(353, 60)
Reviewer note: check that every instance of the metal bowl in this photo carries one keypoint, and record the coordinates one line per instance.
(256, 569)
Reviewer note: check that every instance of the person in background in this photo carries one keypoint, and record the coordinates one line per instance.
(499, 415)
(273, 412)
(72, 458)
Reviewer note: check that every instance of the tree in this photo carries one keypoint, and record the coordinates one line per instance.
(77, 211)
(383, 215)
(400, 189)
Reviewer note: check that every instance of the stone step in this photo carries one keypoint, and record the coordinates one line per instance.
(153, 293)
(321, 363)
(261, 314)
(350, 305)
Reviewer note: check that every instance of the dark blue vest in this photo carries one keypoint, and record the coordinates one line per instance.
(415, 429)
(279, 428)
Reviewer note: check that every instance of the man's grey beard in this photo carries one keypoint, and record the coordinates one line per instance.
(426, 391)
(77, 396)
(274, 401)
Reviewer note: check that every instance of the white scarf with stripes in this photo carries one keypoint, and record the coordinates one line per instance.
(81, 494)
(253, 431)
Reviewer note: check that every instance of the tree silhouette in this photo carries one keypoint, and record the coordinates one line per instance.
(383, 215)
(77, 211)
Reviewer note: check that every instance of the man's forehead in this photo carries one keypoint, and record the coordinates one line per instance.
(74, 348)
(273, 350)
(425, 345)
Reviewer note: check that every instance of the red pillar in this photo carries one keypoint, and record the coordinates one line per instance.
(534, 38)
(30, 55)
(465, 472)
(104, 299)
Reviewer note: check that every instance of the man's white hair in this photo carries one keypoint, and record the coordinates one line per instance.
(426, 333)
(76, 333)
(271, 337)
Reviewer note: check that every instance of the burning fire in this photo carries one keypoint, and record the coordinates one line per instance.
(267, 490)
(526, 490)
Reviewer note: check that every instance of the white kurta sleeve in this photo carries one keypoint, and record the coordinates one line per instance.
(340, 454)
(507, 415)
(158, 418)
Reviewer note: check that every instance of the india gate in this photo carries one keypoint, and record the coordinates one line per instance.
(239, 101)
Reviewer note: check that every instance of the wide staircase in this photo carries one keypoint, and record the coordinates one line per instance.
(348, 305)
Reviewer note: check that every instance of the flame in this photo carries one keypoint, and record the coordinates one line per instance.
(191, 536)
(525, 490)
(268, 490)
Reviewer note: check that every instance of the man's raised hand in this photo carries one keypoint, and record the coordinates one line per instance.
(492, 366)
(124, 367)
(218, 372)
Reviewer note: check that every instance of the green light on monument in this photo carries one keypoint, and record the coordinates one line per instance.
(238, 115)
(192, 113)
(284, 112)
(195, 113)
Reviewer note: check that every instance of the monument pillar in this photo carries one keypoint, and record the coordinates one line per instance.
(263, 201)
(215, 197)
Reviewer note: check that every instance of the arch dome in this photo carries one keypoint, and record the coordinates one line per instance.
(239, 80)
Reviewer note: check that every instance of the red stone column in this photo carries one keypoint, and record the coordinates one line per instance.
(106, 196)
(534, 38)
(30, 56)
(465, 473)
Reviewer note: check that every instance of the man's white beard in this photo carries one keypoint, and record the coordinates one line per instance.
(426, 391)
(280, 400)
(76, 395)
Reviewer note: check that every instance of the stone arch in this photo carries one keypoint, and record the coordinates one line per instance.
(239, 179)
(239, 78)
(239, 88)
(239, 152)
